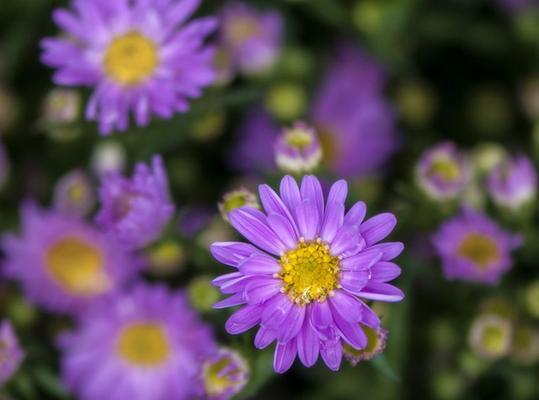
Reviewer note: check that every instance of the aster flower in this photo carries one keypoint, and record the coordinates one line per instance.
(490, 336)
(356, 127)
(141, 57)
(225, 374)
(304, 275)
(297, 149)
(475, 248)
(513, 183)
(376, 343)
(61, 106)
(236, 199)
(63, 263)
(142, 345)
(11, 354)
(253, 38)
(443, 172)
(134, 211)
(74, 194)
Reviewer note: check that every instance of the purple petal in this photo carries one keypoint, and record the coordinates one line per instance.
(308, 345)
(348, 307)
(247, 222)
(321, 315)
(381, 292)
(308, 219)
(377, 228)
(338, 192)
(264, 337)
(261, 290)
(285, 354)
(234, 300)
(389, 250)
(243, 319)
(369, 317)
(283, 229)
(355, 281)
(292, 324)
(385, 271)
(331, 352)
(346, 238)
(361, 261)
(356, 214)
(219, 281)
(259, 265)
(333, 220)
(273, 204)
(312, 190)
(290, 193)
(351, 333)
(232, 253)
(276, 310)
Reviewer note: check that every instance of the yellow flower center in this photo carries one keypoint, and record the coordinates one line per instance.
(445, 168)
(144, 344)
(298, 138)
(480, 249)
(77, 192)
(494, 339)
(77, 266)
(130, 59)
(309, 272)
(242, 29)
(215, 381)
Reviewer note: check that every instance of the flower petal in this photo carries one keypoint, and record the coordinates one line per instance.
(369, 317)
(333, 220)
(361, 261)
(261, 290)
(284, 230)
(292, 324)
(377, 228)
(234, 300)
(356, 214)
(308, 344)
(272, 203)
(321, 315)
(390, 250)
(338, 192)
(243, 319)
(381, 292)
(264, 337)
(312, 190)
(351, 333)
(347, 237)
(348, 307)
(276, 310)
(331, 352)
(259, 265)
(290, 194)
(232, 253)
(385, 271)
(285, 354)
(354, 281)
(308, 219)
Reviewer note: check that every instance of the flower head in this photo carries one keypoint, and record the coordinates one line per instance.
(134, 211)
(140, 57)
(356, 127)
(443, 172)
(302, 277)
(513, 183)
(61, 106)
(74, 194)
(376, 343)
(142, 345)
(490, 336)
(253, 38)
(11, 354)
(224, 374)
(236, 199)
(63, 263)
(474, 248)
(297, 149)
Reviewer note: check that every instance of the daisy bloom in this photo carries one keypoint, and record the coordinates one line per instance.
(443, 172)
(513, 183)
(141, 57)
(134, 211)
(304, 273)
(142, 345)
(490, 336)
(74, 194)
(62, 263)
(252, 38)
(236, 199)
(297, 149)
(225, 374)
(474, 248)
(11, 354)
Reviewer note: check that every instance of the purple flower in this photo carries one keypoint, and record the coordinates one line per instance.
(474, 248)
(236, 199)
(513, 183)
(252, 38)
(490, 336)
(63, 263)
(11, 354)
(376, 343)
(74, 194)
(135, 211)
(141, 57)
(225, 374)
(143, 345)
(297, 149)
(302, 277)
(443, 172)
(356, 125)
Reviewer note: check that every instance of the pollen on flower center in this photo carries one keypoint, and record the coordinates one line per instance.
(309, 272)
(298, 138)
(479, 248)
(143, 344)
(445, 168)
(130, 59)
(77, 265)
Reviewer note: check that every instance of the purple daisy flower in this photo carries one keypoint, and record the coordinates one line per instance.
(297, 149)
(513, 183)
(140, 56)
(443, 172)
(356, 126)
(135, 211)
(302, 277)
(63, 263)
(11, 354)
(143, 345)
(252, 38)
(225, 374)
(474, 248)
(74, 194)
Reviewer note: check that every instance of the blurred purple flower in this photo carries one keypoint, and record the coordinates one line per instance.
(193, 219)
(356, 125)
(311, 264)
(63, 263)
(11, 354)
(297, 149)
(135, 211)
(513, 183)
(143, 345)
(474, 248)
(140, 56)
(224, 374)
(253, 38)
(443, 172)
(74, 194)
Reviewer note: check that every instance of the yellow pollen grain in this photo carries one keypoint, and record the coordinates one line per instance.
(143, 344)
(309, 272)
(130, 59)
(480, 249)
(77, 266)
